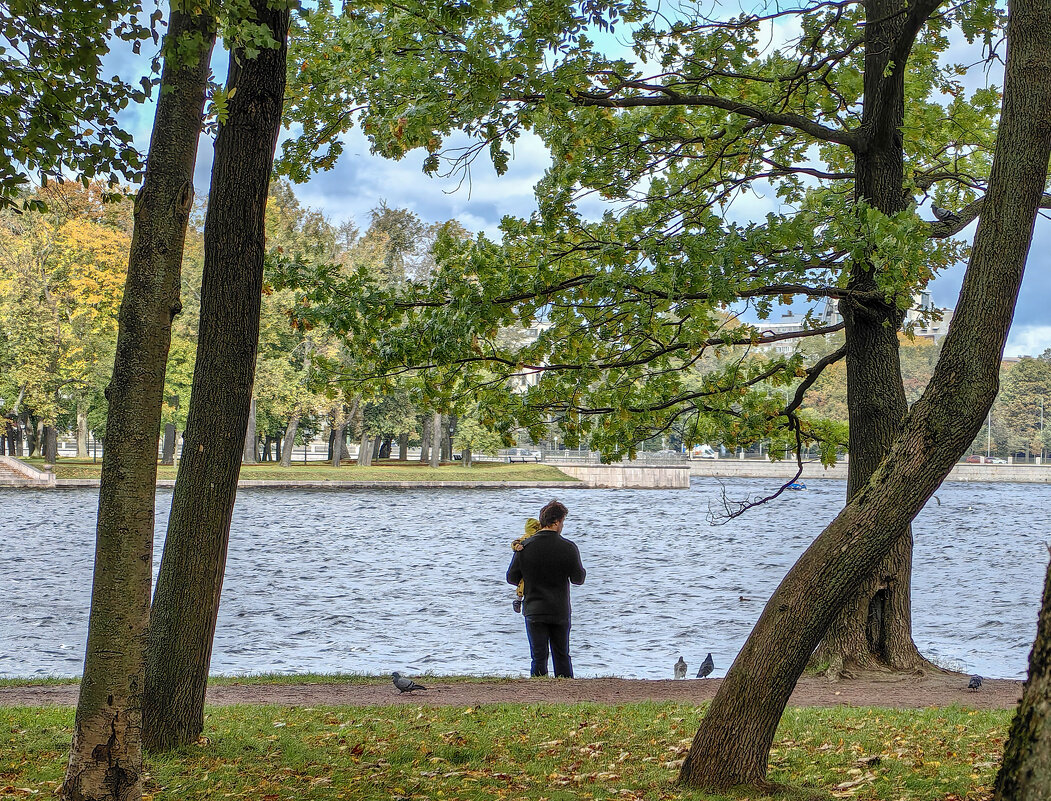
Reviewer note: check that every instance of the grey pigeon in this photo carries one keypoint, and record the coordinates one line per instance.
(680, 669)
(974, 683)
(944, 215)
(405, 685)
(707, 666)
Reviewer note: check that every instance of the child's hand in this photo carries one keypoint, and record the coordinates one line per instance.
(516, 546)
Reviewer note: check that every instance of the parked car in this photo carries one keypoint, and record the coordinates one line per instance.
(974, 458)
(522, 455)
(997, 460)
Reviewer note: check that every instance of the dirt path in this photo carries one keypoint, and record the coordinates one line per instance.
(903, 692)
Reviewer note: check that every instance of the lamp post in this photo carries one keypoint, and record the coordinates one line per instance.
(988, 433)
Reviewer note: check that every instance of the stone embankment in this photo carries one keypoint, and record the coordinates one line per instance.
(14, 473)
(755, 468)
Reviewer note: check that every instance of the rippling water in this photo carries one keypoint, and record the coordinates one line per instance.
(373, 581)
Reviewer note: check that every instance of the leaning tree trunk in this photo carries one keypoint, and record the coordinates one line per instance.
(338, 430)
(290, 440)
(874, 628)
(186, 601)
(1025, 774)
(105, 759)
(733, 743)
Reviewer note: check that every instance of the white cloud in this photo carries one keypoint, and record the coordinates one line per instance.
(1028, 340)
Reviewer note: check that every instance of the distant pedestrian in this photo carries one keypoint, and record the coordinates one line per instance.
(680, 669)
(546, 565)
(532, 526)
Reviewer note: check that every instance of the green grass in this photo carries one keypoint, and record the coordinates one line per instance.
(318, 471)
(554, 752)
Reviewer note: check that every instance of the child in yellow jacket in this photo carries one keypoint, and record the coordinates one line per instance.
(532, 526)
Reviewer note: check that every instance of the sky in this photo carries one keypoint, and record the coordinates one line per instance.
(360, 180)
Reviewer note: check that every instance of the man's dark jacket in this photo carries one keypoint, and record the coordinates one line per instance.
(547, 562)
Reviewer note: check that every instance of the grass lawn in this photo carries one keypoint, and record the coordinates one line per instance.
(387, 470)
(554, 752)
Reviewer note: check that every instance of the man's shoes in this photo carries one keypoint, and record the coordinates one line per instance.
(516, 604)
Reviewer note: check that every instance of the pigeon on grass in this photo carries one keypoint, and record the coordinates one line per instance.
(974, 683)
(405, 685)
(707, 666)
(680, 669)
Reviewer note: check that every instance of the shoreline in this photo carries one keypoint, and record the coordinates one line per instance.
(890, 691)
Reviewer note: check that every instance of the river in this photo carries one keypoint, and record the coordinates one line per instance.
(413, 580)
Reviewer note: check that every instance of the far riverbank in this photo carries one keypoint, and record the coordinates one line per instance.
(755, 468)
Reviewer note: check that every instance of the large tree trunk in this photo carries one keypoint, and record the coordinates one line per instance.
(1025, 774)
(168, 445)
(403, 447)
(50, 449)
(186, 601)
(250, 445)
(874, 628)
(425, 438)
(105, 759)
(364, 450)
(82, 430)
(336, 446)
(733, 743)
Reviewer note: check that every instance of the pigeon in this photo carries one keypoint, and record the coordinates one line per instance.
(707, 666)
(974, 683)
(944, 215)
(680, 669)
(405, 685)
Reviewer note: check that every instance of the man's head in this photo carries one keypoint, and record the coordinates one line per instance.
(552, 515)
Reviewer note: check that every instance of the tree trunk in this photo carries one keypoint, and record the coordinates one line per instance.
(168, 445)
(82, 430)
(467, 456)
(376, 443)
(733, 743)
(1025, 774)
(250, 446)
(425, 439)
(436, 439)
(277, 448)
(186, 601)
(336, 446)
(290, 440)
(105, 760)
(50, 449)
(403, 447)
(385, 446)
(874, 628)
(364, 450)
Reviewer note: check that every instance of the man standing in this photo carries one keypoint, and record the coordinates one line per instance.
(547, 563)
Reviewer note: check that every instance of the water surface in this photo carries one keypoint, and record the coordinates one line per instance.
(373, 581)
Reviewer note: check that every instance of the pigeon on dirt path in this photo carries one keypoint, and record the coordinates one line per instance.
(974, 683)
(680, 669)
(707, 666)
(405, 685)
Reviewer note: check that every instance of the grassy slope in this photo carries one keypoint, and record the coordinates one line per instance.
(380, 471)
(555, 752)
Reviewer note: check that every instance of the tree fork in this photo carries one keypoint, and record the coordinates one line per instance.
(105, 760)
(732, 745)
(186, 601)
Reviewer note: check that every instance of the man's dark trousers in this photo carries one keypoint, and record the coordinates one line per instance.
(545, 636)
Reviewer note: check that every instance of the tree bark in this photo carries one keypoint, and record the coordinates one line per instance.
(733, 743)
(874, 628)
(105, 760)
(425, 439)
(290, 440)
(82, 430)
(467, 456)
(251, 450)
(364, 450)
(377, 442)
(403, 447)
(385, 446)
(168, 445)
(337, 444)
(186, 601)
(1025, 774)
(436, 439)
(50, 448)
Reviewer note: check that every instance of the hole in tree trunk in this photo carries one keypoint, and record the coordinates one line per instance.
(876, 630)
